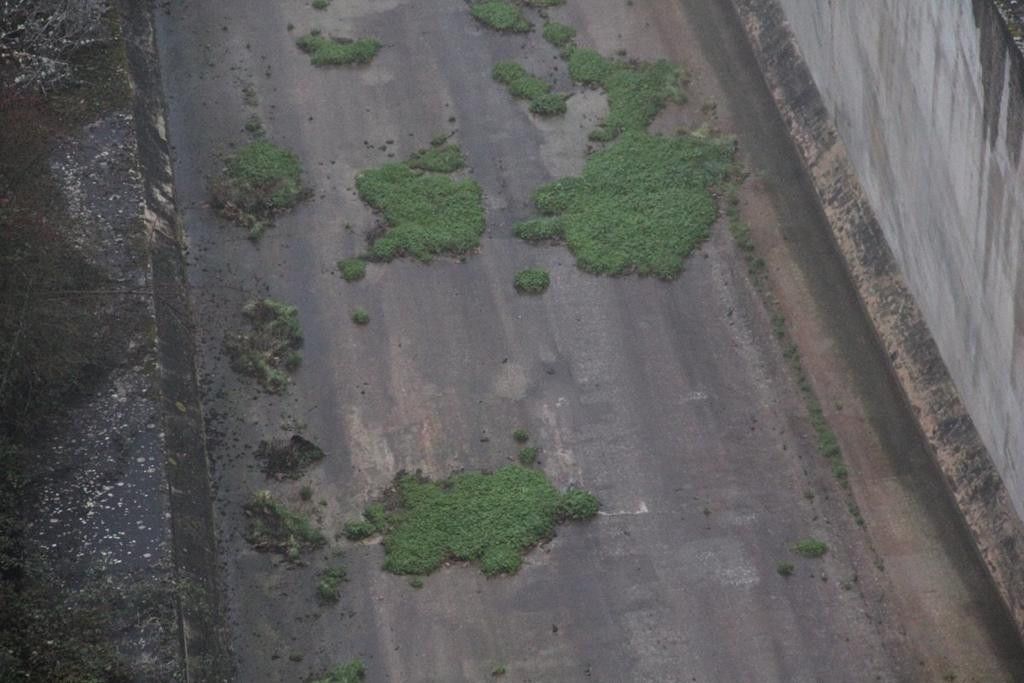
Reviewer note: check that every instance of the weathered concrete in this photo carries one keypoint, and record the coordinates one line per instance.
(927, 99)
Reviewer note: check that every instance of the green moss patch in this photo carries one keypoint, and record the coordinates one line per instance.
(360, 317)
(275, 528)
(328, 588)
(559, 35)
(427, 214)
(352, 270)
(532, 281)
(642, 205)
(353, 672)
(491, 519)
(522, 84)
(637, 91)
(324, 51)
(438, 159)
(288, 458)
(259, 181)
(810, 547)
(269, 350)
(501, 16)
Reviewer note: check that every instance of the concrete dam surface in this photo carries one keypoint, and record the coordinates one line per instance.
(526, 348)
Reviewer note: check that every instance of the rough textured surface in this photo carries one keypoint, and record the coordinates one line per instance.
(953, 234)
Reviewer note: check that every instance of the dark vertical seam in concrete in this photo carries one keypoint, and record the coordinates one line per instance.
(200, 619)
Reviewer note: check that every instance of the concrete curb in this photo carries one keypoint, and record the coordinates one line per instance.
(202, 626)
(948, 430)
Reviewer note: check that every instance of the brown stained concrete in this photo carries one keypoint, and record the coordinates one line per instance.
(671, 401)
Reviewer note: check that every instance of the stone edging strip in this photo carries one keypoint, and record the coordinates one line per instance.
(201, 622)
(914, 358)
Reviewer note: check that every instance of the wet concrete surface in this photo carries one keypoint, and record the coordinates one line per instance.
(668, 400)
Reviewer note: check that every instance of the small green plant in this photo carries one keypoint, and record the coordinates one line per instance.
(577, 504)
(357, 531)
(528, 456)
(328, 588)
(324, 51)
(636, 91)
(532, 281)
(438, 159)
(479, 517)
(810, 547)
(498, 670)
(274, 528)
(270, 349)
(288, 459)
(416, 582)
(360, 317)
(353, 672)
(521, 435)
(559, 35)
(321, 4)
(375, 520)
(500, 16)
(254, 125)
(259, 181)
(522, 84)
(785, 568)
(352, 269)
(427, 214)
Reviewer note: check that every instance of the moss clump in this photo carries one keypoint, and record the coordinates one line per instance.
(524, 85)
(288, 458)
(636, 91)
(559, 35)
(501, 16)
(438, 159)
(532, 281)
(428, 214)
(528, 456)
(491, 519)
(324, 51)
(259, 181)
(521, 435)
(353, 672)
(641, 205)
(275, 528)
(810, 547)
(352, 269)
(270, 349)
(360, 317)
(328, 588)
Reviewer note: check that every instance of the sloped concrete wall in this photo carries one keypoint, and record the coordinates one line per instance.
(928, 98)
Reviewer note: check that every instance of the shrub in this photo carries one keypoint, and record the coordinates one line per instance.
(528, 456)
(360, 317)
(274, 528)
(260, 180)
(577, 504)
(270, 349)
(328, 589)
(438, 159)
(501, 16)
(521, 435)
(532, 281)
(559, 35)
(289, 458)
(353, 672)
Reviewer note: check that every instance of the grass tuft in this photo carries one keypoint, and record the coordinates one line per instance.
(353, 672)
(636, 91)
(352, 269)
(521, 435)
(810, 547)
(532, 281)
(428, 214)
(360, 317)
(438, 159)
(270, 349)
(522, 84)
(559, 35)
(321, 4)
(785, 568)
(642, 205)
(259, 181)
(490, 519)
(328, 589)
(288, 458)
(501, 16)
(324, 51)
(528, 456)
(275, 528)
